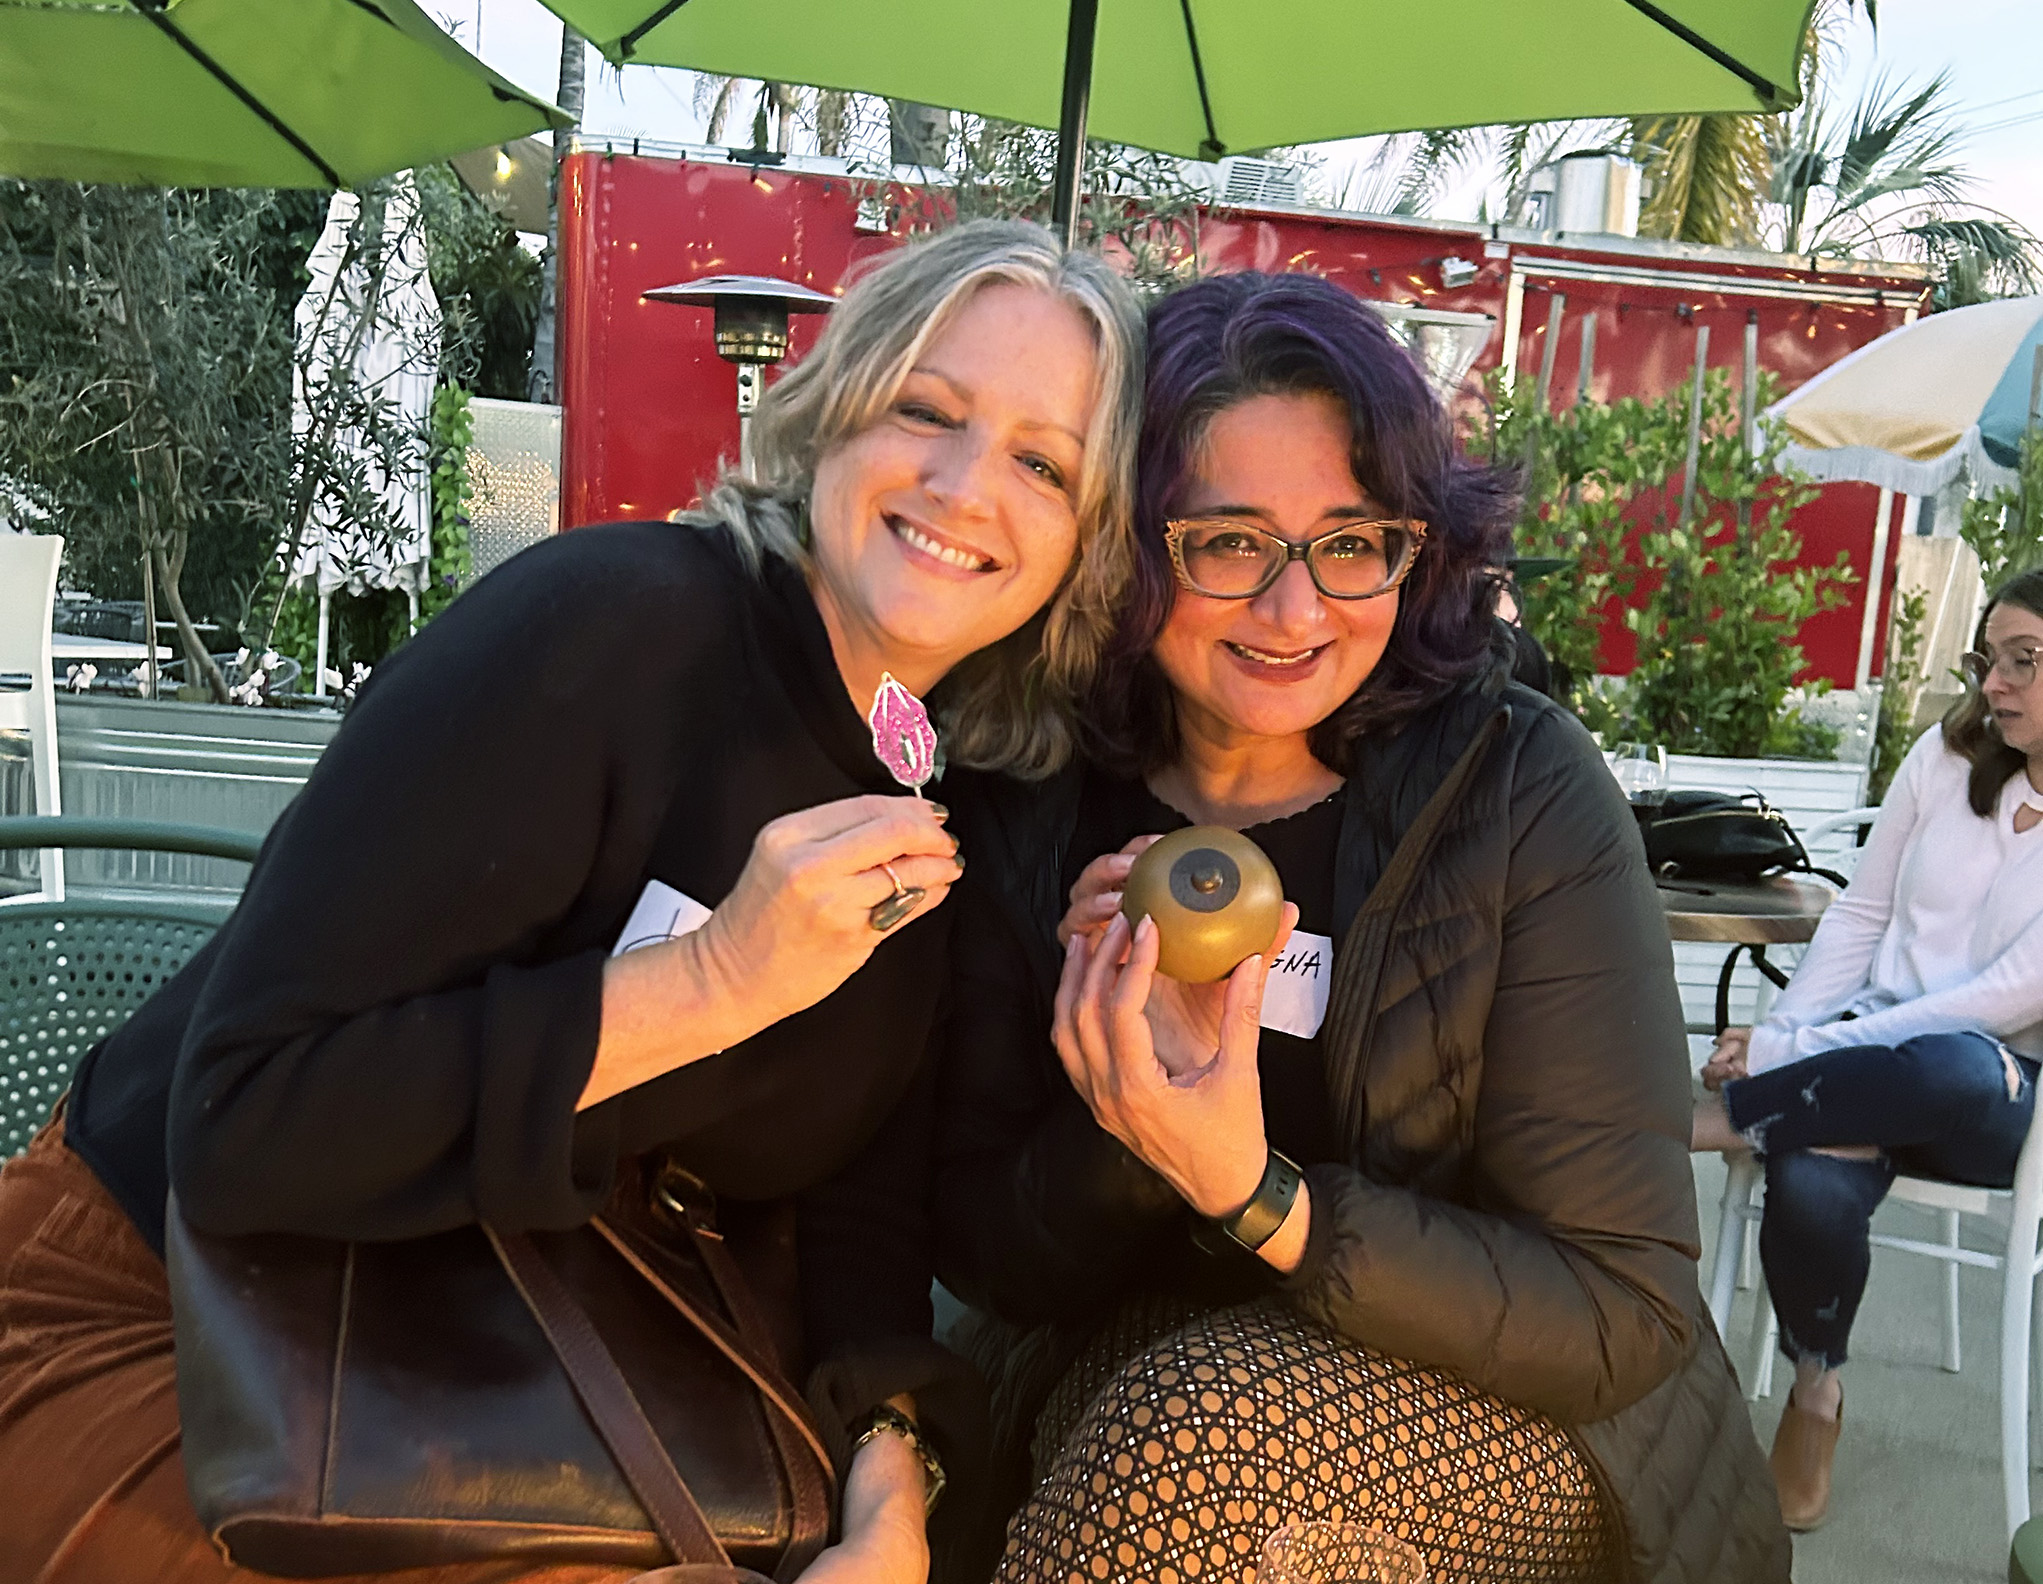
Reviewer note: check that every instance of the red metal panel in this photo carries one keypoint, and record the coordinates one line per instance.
(1376, 258)
(650, 407)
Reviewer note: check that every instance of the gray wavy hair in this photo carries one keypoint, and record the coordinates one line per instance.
(1009, 706)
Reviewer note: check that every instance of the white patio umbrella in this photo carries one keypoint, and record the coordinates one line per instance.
(1947, 395)
(361, 340)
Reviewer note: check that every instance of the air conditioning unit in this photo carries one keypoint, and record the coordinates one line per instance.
(1241, 180)
(1596, 193)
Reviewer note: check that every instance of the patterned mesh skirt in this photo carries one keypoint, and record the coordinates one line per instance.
(1178, 1441)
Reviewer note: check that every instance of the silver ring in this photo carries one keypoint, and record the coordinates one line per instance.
(889, 911)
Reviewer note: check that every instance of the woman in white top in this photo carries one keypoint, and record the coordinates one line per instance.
(1910, 1037)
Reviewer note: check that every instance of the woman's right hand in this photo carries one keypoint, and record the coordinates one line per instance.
(795, 926)
(1727, 1061)
(1096, 893)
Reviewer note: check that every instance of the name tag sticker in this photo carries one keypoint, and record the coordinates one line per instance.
(663, 913)
(1295, 998)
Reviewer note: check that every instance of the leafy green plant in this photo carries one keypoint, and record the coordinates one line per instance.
(145, 384)
(366, 627)
(1580, 476)
(1715, 602)
(451, 559)
(2005, 528)
(1718, 628)
(487, 284)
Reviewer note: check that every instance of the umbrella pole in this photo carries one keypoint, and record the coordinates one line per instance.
(1078, 41)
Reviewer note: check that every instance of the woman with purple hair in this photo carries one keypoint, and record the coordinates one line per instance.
(1395, 1223)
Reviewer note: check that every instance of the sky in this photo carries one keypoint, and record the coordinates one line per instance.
(1993, 50)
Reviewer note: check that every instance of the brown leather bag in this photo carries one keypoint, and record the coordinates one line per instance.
(608, 1394)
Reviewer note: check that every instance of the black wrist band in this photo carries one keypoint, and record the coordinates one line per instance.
(1256, 1222)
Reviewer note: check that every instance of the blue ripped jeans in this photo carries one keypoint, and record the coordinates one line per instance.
(1938, 1105)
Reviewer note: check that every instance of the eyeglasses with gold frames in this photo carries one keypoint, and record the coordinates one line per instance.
(1225, 558)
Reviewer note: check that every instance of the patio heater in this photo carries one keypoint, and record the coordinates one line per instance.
(751, 329)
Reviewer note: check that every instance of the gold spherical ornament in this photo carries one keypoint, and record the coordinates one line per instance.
(1215, 897)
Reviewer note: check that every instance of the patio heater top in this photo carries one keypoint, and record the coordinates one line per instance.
(751, 311)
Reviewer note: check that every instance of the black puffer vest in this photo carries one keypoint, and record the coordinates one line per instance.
(1506, 1053)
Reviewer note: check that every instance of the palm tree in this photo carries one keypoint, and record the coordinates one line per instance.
(775, 112)
(1885, 181)
(574, 57)
(1407, 172)
(1891, 183)
(831, 114)
(1705, 177)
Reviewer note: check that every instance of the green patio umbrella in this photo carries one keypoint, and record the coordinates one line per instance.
(1206, 78)
(243, 93)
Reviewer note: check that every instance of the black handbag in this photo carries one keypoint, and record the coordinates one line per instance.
(608, 1394)
(1736, 838)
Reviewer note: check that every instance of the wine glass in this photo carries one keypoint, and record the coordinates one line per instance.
(1338, 1553)
(1641, 771)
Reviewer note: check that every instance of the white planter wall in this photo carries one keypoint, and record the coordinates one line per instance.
(1805, 791)
(198, 764)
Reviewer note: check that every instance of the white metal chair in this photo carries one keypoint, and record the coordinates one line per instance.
(2018, 1262)
(28, 698)
(1816, 840)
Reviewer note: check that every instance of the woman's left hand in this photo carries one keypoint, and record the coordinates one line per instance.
(1728, 1061)
(884, 1536)
(1169, 1069)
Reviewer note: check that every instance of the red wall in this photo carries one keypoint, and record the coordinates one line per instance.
(650, 408)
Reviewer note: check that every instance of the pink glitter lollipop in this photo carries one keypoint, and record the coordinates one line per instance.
(903, 739)
(905, 743)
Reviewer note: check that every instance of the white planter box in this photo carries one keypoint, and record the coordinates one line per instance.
(1805, 791)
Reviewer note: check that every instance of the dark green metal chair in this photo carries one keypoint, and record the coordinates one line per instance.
(72, 972)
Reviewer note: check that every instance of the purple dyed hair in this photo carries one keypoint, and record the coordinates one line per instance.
(1225, 339)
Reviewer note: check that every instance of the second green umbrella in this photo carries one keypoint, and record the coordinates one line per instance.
(243, 93)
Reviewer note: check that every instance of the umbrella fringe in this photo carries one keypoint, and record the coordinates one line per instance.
(1903, 475)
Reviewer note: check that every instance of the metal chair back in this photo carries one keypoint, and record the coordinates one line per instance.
(73, 971)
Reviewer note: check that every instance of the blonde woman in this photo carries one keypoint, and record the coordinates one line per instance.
(419, 1017)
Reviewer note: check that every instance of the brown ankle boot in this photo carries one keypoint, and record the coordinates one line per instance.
(1803, 1447)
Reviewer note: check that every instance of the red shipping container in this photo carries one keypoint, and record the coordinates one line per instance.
(650, 409)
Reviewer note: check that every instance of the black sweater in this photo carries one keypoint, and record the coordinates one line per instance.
(388, 1037)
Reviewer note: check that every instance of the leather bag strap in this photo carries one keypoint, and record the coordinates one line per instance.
(608, 1397)
(811, 1480)
(811, 1477)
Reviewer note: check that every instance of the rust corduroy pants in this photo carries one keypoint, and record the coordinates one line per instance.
(92, 1487)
